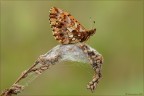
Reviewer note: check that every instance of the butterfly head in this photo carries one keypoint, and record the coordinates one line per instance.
(92, 31)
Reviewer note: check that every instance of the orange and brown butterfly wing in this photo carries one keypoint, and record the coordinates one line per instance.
(66, 29)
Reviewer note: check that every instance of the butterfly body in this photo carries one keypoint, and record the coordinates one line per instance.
(66, 29)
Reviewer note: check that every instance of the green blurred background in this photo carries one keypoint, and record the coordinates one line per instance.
(26, 34)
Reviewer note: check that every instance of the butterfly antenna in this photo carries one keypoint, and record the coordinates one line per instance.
(92, 23)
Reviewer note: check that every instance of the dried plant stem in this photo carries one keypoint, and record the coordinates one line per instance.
(26, 72)
(15, 87)
(79, 52)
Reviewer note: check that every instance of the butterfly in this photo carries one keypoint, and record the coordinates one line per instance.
(66, 29)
